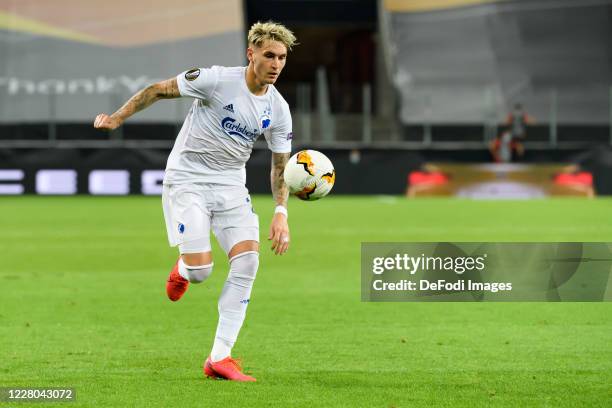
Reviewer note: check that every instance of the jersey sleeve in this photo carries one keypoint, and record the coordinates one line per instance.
(279, 137)
(198, 82)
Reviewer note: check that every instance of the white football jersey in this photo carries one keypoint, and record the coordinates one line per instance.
(224, 121)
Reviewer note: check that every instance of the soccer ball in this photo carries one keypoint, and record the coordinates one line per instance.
(310, 175)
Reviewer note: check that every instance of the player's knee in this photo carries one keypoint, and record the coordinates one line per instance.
(198, 274)
(244, 268)
(197, 258)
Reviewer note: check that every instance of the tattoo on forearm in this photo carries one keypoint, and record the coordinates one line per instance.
(280, 191)
(138, 102)
(162, 90)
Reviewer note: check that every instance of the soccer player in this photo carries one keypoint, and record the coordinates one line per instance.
(204, 183)
(508, 145)
(517, 122)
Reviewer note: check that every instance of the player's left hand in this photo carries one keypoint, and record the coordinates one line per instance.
(279, 234)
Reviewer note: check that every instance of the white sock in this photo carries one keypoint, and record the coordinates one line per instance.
(182, 269)
(233, 302)
(220, 350)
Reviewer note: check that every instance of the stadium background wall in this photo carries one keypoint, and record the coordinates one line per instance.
(364, 171)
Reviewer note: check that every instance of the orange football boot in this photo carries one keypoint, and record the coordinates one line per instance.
(228, 368)
(176, 286)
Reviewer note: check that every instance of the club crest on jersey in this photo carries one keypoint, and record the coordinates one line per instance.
(234, 128)
(265, 119)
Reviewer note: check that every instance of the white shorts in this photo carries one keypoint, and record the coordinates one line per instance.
(190, 210)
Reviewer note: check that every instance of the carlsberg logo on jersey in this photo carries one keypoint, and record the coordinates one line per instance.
(233, 128)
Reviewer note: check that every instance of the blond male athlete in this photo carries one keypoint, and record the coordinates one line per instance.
(204, 184)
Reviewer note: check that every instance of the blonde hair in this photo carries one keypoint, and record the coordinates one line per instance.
(261, 32)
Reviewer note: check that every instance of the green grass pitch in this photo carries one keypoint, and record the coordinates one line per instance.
(83, 305)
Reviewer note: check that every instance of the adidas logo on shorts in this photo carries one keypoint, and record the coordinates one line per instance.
(229, 107)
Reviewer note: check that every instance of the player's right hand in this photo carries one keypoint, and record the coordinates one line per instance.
(106, 122)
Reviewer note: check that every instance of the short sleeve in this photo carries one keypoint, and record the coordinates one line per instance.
(198, 82)
(279, 137)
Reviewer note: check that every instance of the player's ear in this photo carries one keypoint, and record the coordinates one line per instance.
(250, 54)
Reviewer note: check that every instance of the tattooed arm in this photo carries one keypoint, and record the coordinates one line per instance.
(279, 228)
(280, 191)
(142, 99)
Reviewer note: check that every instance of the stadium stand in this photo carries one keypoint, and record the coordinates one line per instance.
(466, 62)
(381, 87)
